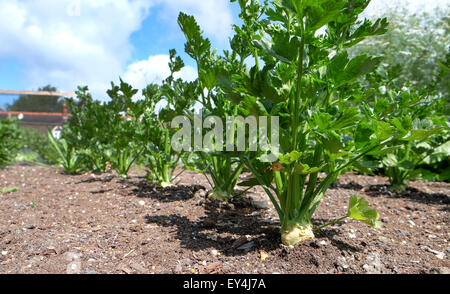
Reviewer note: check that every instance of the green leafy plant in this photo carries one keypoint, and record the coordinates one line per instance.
(9, 141)
(416, 41)
(124, 126)
(36, 147)
(105, 133)
(160, 157)
(423, 136)
(223, 168)
(66, 154)
(304, 75)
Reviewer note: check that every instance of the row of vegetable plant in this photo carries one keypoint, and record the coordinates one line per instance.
(288, 59)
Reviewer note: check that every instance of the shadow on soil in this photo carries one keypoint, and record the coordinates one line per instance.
(219, 228)
(329, 233)
(411, 193)
(349, 186)
(145, 189)
(106, 179)
(235, 229)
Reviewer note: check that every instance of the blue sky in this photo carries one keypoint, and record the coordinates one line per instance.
(67, 43)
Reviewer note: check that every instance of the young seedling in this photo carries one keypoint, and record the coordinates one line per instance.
(9, 190)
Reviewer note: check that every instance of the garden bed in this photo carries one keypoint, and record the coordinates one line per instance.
(89, 223)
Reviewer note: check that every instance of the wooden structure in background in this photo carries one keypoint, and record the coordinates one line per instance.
(38, 120)
(38, 93)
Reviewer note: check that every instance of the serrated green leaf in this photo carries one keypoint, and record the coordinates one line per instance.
(384, 131)
(267, 46)
(304, 169)
(291, 157)
(416, 135)
(359, 210)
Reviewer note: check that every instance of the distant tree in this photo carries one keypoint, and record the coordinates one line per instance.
(34, 103)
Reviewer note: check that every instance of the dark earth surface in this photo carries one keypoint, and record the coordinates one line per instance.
(59, 223)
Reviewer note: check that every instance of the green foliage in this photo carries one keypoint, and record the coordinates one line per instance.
(9, 141)
(223, 167)
(128, 129)
(8, 190)
(66, 154)
(423, 131)
(38, 145)
(307, 80)
(102, 134)
(359, 210)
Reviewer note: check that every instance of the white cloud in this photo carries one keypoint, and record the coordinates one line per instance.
(67, 51)
(214, 16)
(93, 47)
(154, 70)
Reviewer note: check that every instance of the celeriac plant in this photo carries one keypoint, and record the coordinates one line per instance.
(303, 74)
(9, 140)
(87, 131)
(423, 136)
(157, 132)
(66, 154)
(224, 168)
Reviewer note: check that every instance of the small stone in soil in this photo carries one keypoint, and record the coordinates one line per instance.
(178, 269)
(411, 223)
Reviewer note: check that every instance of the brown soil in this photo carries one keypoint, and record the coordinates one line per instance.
(88, 223)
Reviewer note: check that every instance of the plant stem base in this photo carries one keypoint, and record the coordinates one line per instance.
(398, 188)
(218, 195)
(166, 184)
(296, 234)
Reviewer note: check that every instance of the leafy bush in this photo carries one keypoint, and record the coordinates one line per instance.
(9, 141)
(422, 149)
(306, 77)
(304, 80)
(66, 154)
(127, 129)
(38, 144)
(224, 168)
